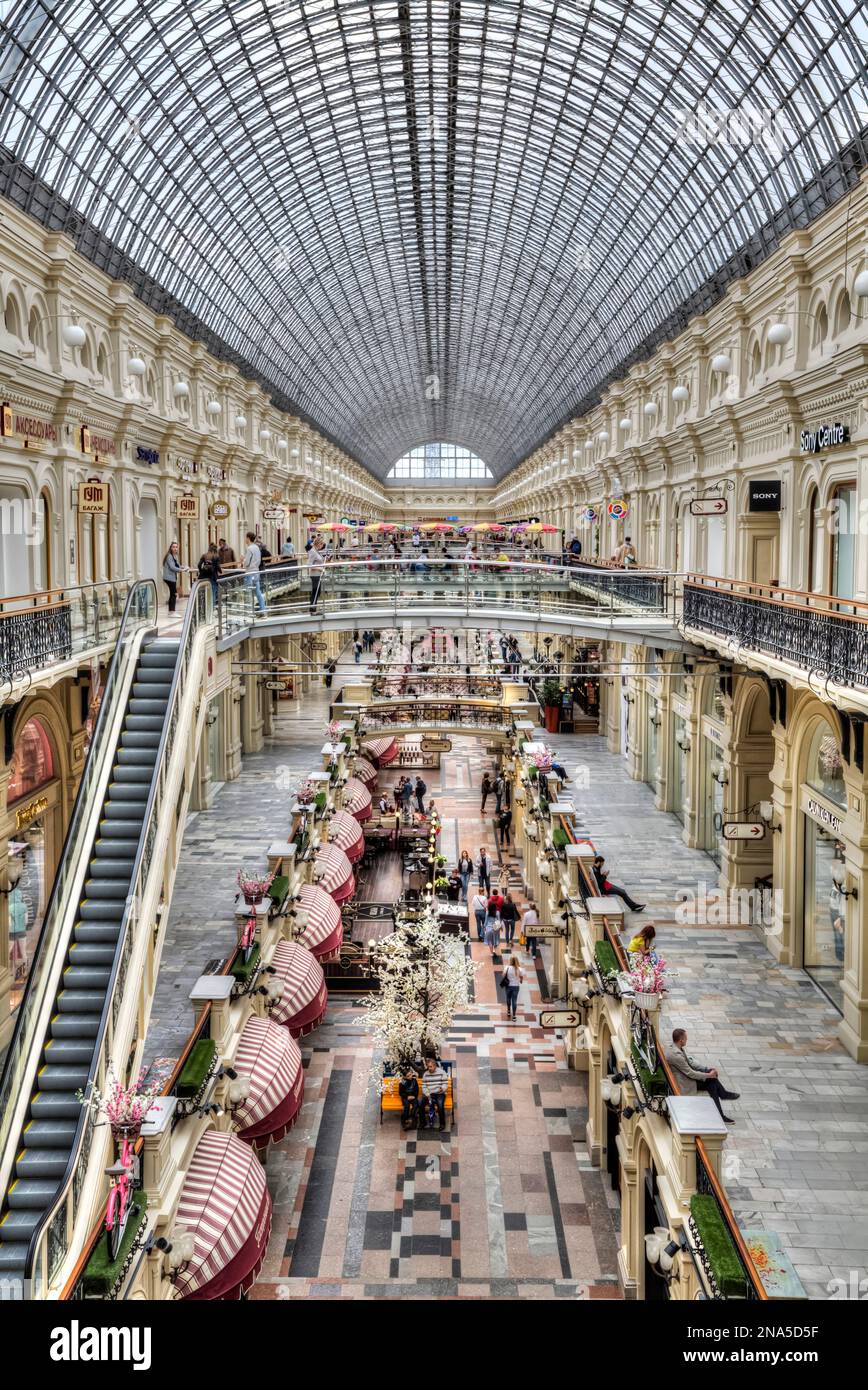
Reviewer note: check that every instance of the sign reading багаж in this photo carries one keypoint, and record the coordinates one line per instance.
(824, 437)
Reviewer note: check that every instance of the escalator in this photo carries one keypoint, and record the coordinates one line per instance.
(49, 1134)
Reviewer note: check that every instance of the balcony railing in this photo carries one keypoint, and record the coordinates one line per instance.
(40, 630)
(818, 632)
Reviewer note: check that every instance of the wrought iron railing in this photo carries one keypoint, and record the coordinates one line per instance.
(817, 632)
(635, 588)
(39, 630)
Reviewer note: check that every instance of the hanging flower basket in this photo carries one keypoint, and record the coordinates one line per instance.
(253, 885)
(643, 1000)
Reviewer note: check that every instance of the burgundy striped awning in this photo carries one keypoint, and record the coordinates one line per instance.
(305, 996)
(333, 871)
(323, 932)
(357, 800)
(225, 1204)
(365, 771)
(382, 750)
(347, 834)
(271, 1058)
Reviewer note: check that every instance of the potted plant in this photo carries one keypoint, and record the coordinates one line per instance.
(647, 982)
(441, 883)
(253, 885)
(551, 699)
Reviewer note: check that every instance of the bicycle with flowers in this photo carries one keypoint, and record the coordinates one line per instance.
(125, 1109)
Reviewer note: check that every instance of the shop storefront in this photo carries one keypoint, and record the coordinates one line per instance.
(823, 803)
(33, 805)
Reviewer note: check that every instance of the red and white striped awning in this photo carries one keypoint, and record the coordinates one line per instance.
(225, 1204)
(333, 871)
(347, 834)
(365, 771)
(305, 996)
(382, 750)
(357, 800)
(323, 932)
(271, 1059)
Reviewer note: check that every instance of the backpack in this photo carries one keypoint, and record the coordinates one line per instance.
(421, 787)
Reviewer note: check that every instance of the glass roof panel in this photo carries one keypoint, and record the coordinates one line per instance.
(440, 220)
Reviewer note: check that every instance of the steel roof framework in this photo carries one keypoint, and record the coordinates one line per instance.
(433, 219)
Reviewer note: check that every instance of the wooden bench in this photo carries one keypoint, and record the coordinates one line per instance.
(392, 1104)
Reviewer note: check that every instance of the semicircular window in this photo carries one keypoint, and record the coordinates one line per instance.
(826, 766)
(440, 462)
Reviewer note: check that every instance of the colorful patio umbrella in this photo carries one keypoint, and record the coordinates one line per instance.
(436, 526)
(381, 526)
(537, 526)
(331, 526)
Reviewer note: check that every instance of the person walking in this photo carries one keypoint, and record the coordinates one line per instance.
(225, 551)
(407, 797)
(420, 790)
(315, 569)
(465, 869)
(511, 981)
(171, 570)
(209, 568)
(478, 907)
(530, 919)
(504, 827)
(486, 790)
(492, 925)
(252, 564)
(693, 1077)
(503, 880)
(483, 869)
(357, 651)
(497, 788)
(509, 917)
(612, 890)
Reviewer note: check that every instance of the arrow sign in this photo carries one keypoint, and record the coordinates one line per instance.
(743, 830)
(708, 506)
(560, 1018)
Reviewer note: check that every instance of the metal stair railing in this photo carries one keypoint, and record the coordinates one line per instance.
(51, 1240)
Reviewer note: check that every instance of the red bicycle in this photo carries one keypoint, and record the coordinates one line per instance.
(120, 1199)
(247, 940)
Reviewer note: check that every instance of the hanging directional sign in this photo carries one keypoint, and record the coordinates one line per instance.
(550, 930)
(560, 1018)
(743, 829)
(708, 506)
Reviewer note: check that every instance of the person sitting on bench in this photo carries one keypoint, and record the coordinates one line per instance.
(692, 1077)
(434, 1083)
(408, 1089)
(612, 890)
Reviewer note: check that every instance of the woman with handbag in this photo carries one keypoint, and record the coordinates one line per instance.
(511, 981)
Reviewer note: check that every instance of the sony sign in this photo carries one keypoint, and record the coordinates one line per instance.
(824, 437)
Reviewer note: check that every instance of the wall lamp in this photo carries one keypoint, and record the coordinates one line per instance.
(767, 815)
(660, 1252)
(10, 875)
(582, 990)
(682, 738)
(179, 1250)
(839, 875)
(719, 773)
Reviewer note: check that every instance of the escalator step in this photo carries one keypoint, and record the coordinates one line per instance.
(123, 849)
(55, 1105)
(103, 889)
(77, 976)
(155, 658)
(144, 723)
(105, 931)
(108, 866)
(68, 1053)
(84, 1003)
(129, 792)
(85, 953)
(136, 757)
(138, 705)
(13, 1257)
(115, 825)
(110, 912)
(19, 1225)
(41, 1163)
(133, 773)
(27, 1195)
(74, 1026)
(49, 1134)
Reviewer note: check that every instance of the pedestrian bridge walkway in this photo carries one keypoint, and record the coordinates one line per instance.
(603, 605)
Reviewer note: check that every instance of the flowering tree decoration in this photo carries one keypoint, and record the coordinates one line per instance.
(125, 1107)
(542, 760)
(253, 884)
(334, 731)
(425, 979)
(306, 793)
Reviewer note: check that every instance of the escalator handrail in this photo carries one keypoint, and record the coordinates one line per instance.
(200, 597)
(79, 809)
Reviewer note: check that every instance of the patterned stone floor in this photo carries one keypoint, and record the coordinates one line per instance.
(796, 1161)
(505, 1204)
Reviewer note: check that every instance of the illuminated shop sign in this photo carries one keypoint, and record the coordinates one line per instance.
(824, 437)
(30, 812)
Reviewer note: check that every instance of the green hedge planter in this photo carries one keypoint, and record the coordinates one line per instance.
(195, 1069)
(653, 1082)
(279, 888)
(242, 970)
(101, 1272)
(719, 1246)
(320, 801)
(604, 954)
(347, 740)
(560, 838)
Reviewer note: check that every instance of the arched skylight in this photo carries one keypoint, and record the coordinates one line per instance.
(434, 462)
(432, 220)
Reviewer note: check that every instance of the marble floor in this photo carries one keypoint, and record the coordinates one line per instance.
(507, 1204)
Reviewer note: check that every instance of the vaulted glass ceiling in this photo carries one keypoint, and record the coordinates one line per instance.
(436, 219)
